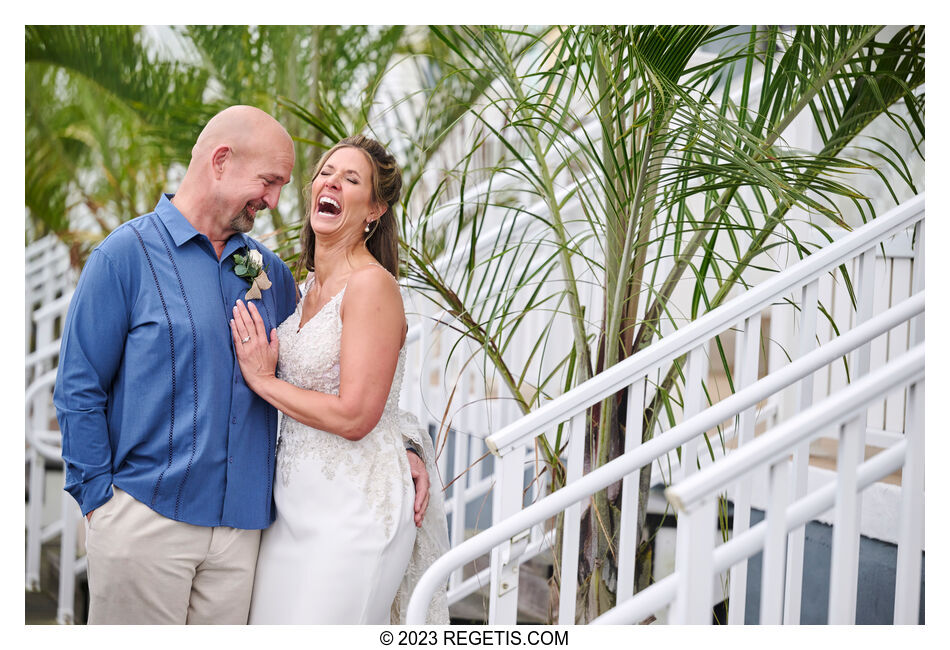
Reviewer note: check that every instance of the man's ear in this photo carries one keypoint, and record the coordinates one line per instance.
(219, 159)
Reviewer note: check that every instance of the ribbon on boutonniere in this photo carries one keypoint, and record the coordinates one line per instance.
(250, 267)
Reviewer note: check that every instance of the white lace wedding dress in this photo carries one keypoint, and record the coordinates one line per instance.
(344, 548)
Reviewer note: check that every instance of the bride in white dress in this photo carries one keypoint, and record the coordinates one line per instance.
(345, 547)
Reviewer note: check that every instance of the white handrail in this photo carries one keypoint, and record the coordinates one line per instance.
(611, 472)
(482, 578)
(695, 499)
(662, 592)
(784, 437)
(675, 345)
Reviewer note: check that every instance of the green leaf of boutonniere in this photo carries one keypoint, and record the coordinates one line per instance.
(250, 267)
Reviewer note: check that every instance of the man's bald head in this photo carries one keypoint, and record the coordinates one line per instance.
(240, 128)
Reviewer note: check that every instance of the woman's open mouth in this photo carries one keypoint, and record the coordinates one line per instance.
(328, 206)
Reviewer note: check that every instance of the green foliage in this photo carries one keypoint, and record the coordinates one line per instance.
(104, 121)
(107, 118)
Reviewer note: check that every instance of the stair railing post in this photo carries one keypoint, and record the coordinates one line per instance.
(630, 493)
(507, 500)
(773, 554)
(67, 561)
(459, 470)
(808, 321)
(570, 540)
(748, 337)
(34, 519)
(695, 539)
(694, 401)
(917, 281)
(910, 535)
(851, 445)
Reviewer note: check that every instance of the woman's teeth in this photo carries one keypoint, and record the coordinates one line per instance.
(329, 206)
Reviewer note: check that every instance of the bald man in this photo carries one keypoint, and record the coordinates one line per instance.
(168, 453)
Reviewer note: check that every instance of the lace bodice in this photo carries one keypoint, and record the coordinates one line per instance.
(310, 355)
(310, 359)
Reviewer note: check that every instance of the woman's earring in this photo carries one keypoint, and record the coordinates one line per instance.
(366, 229)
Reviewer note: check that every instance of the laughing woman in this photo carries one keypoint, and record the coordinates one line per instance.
(344, 547)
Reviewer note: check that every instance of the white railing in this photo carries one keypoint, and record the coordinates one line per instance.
(49, 287)
(460, 445)
(689, 590)
(49, 281)
(504, 539)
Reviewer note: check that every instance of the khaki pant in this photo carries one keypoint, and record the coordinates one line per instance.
(145, 568)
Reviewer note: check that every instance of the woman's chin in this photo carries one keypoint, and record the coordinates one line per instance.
(322, 222)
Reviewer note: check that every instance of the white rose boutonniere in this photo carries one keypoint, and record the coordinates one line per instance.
(250, 266)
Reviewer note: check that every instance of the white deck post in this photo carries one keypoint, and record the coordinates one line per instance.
(847, 530)
(773, 554)
(694, 401)
(503, 591)
(910, 536)
(67, 561)
(846, 535)
(808, 321)
(630, 499)
(34, 519)
(459, 469)
(567, 604)
(917, 282)
(695, 537)
(747, 370)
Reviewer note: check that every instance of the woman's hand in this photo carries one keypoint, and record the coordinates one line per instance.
(420, 477)
(256, 355)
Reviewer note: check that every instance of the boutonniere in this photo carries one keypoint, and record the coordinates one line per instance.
(250, 266)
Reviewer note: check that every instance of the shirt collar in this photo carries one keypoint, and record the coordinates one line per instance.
(182, 231)
(178, 226)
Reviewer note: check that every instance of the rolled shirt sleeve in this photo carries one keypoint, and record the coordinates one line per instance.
(93, 340)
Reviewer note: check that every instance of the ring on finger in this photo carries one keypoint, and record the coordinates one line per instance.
(245, 339)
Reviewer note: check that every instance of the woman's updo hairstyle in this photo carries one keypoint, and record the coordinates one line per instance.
(382, 240)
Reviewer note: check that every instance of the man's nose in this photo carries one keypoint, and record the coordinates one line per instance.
(271, 197)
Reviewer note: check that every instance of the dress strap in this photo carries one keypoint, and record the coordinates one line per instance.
(383, 268)
(304, 287)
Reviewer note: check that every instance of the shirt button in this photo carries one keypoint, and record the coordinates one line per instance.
(233, 420)
(231, 459)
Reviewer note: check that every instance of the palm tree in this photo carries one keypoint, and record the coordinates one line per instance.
(629, 164)
(104, 120)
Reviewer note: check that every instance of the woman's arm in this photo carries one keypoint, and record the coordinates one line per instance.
(373, 326)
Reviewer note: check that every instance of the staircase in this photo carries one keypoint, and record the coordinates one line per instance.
(782, 452)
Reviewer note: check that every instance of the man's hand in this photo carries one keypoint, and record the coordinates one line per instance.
(421, 479)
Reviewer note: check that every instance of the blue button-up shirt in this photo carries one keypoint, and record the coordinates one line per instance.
(149, 394)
